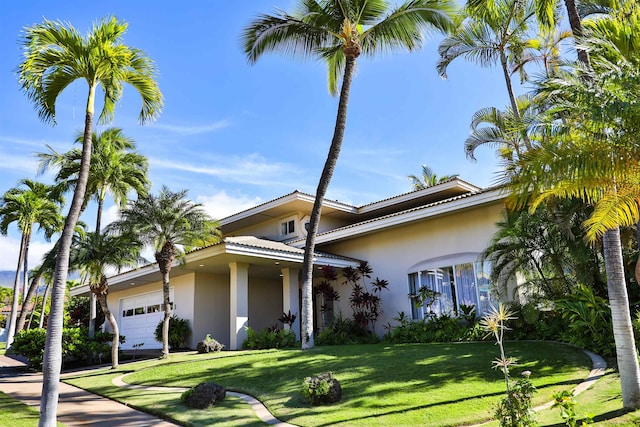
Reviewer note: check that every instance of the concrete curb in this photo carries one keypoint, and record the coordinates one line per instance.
(258, 408)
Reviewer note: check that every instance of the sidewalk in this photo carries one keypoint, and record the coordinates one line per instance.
(76, 407)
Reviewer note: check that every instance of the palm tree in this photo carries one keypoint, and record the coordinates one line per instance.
(490, 37)
(93, 254)
(37, 203)
(338, 32)
(115, 168)
(56, 55)
(543, 51)
(428, 179)
(171, 224)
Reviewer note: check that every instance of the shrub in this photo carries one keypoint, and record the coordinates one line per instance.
(514, 410)
(77, 348)
(269, 338)
(179, 332)
(203, 395)
(30, 344)
(345, 331)
(589, 321)
(322, 389)
(209, 345)
(442, 328)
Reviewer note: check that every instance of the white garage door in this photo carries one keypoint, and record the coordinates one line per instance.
(139, 316)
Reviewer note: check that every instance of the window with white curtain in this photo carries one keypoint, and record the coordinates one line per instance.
(465, 283)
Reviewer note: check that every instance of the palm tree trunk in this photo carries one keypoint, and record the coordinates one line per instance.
(325, 178)
(44, 305)
(512, 100)
(52, 361)
(33, 311)
(638, 261)
(11, 325)
(32, 288)
(576, 28)
(165, 258)
(102, 298)
(626, 353)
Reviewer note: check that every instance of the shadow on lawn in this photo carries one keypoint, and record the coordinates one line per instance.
(419, 366)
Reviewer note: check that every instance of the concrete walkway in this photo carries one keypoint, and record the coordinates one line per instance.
(76, 407)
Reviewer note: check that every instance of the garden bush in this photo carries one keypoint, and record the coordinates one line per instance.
(179, 332)
(322, 389)
(209, 345)
(203, 395)
(269, 338)
(442, 328)
(345, 331)
(77, 348)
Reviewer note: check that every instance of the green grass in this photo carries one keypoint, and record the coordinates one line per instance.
(400, 385)
(3, 347)
(14, 413)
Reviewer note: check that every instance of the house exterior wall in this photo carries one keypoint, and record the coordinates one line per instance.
(265, 302)
(211, 308)
(396, 252)
(270, 228)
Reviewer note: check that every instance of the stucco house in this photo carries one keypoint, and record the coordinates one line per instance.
(430, 237)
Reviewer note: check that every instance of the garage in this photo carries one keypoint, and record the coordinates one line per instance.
(139, 317)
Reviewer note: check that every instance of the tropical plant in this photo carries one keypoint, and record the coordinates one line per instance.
(28, 204)
(171, 224)
(56, 55)
(95, 253)
(428, 179)
(591, 153)
(338, 32)
(179, 332)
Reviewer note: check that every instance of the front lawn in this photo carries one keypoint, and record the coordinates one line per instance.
(14, 413)
(400, 385)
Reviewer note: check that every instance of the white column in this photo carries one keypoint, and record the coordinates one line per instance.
(239, 304)
(290, 296)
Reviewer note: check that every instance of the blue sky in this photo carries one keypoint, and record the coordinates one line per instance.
(238, 135)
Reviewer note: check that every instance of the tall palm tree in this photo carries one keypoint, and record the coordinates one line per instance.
(115, 168)
(595, 158)
(28, 204)
(93, 254)
(428, 179)
(338, 32)
(55, 56)
(171, 224)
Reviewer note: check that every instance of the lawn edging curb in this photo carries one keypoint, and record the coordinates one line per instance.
(258, 408)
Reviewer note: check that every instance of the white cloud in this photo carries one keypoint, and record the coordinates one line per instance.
(25, 164)
(221, 205)
(10, 249)
(193, 130)
(251, 169)
(109, 215)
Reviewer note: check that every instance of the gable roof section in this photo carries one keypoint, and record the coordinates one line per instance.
(285, 205)
(298, 201)
(441, 207)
